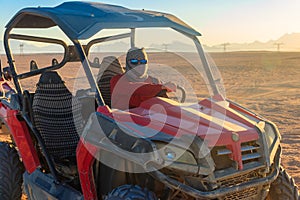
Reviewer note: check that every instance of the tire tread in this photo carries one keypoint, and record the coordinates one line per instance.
(131, 192)
(10, 173)
(284, 187)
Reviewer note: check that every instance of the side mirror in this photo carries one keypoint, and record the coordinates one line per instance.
(33, 66)
(54, 62)
(7, 73)
(95, 63)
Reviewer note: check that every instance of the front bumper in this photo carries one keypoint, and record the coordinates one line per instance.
(106, 135)
(221, 192)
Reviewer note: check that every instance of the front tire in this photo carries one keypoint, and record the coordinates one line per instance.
(283, 187)
(11, 171)
(130, 192)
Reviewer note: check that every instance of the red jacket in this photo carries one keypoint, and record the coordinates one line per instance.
(126, 94)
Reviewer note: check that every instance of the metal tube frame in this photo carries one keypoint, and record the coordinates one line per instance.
(86, 66)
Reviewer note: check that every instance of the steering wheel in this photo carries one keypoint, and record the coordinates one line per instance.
(163, 93)
(183, 93)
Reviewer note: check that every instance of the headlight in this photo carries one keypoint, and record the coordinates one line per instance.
(271, 139)
(270, 135)
(177, 157)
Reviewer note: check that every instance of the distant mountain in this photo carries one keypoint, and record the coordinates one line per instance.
(287, 42)
(174, 46)
(32, 47)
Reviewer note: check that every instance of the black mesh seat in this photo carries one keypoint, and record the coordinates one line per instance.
(57, 116)
(109, 67)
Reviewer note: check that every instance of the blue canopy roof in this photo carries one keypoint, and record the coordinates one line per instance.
(81, 20)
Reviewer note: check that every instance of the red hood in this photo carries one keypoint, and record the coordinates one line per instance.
(215, 122)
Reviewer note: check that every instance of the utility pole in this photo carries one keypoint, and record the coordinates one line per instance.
(165, 47)
(225, 46)
(21, 49)
(278, 45)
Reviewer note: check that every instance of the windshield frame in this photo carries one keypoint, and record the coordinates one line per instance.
(82, 52)
(206, 66)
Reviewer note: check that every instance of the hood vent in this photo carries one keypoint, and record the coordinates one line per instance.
(250, 152)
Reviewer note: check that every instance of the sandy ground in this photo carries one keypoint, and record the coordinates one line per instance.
(266, 83)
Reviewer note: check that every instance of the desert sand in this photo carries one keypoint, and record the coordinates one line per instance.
(264, 82)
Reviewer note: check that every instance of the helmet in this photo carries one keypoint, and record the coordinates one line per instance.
(136, 64)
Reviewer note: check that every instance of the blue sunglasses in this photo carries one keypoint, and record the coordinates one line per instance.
(136, 61)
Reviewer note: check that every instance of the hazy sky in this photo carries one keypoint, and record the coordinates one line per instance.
(219, 21)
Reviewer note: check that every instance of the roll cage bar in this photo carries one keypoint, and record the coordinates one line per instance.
(78, 52)
(50, 17)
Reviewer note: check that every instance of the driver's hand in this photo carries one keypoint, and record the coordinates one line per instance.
(170, 87)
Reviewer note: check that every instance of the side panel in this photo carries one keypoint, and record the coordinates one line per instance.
(42, 186)
(85, 160)
(22, 138)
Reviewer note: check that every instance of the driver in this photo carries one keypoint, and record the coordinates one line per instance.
(129, 90)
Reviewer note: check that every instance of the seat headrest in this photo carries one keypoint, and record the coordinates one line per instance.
(112, 64)
(50, 77)
(108, 60)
